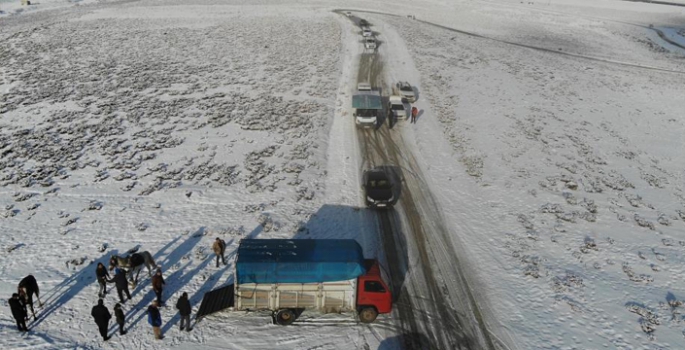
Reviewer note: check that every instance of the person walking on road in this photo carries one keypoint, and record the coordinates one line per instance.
(121, 319)
(102, 277)
(158, 285)
(19, 312)
(219, 248)
(101, 316)
(155, 319)
(414, 113)
(183, 306)
(122, 285)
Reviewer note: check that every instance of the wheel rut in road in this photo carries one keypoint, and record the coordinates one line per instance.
(425, 290)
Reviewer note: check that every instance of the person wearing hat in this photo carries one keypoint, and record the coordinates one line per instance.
(219, 248)
(155, 319)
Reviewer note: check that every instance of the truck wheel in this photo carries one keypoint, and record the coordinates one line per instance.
(368, 314)
(285, 317)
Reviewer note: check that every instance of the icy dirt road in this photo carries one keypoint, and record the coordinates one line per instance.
(434, 306)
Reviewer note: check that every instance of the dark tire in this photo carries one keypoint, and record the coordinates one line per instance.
(285, 317)
(367, 314)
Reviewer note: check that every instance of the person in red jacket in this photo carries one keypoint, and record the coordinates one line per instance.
(414, 113)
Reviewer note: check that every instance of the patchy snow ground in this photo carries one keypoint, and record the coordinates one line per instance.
(163, 125)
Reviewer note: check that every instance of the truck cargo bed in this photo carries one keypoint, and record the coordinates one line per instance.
(325, 297)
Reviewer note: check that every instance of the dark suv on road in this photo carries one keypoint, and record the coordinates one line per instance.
(378, 188)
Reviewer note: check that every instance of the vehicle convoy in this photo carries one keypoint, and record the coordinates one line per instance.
(367, 106)
(397, 107)
(289, 276)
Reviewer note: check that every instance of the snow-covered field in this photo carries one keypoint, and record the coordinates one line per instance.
(551, 135)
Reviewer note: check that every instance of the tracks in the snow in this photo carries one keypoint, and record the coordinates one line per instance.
(434, 308)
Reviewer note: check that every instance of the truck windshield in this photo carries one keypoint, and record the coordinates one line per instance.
(397, 107)
(373, 287)
(366, 113)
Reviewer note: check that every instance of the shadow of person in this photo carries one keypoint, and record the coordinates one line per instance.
(62, 293)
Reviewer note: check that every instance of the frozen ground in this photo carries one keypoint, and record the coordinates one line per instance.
(161, 125)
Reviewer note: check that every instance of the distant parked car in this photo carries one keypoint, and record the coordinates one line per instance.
(405, 90)
(370, 43)
(378, 188)
(366, 32)
(348, 13)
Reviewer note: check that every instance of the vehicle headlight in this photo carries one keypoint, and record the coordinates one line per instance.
(370, 199)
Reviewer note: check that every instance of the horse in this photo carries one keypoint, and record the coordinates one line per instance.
(27, 287)
(134, 263)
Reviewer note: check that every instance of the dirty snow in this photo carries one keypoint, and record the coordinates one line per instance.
(159, 126)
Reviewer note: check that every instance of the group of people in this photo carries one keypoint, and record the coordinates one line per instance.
(102, 316)
(22, 301)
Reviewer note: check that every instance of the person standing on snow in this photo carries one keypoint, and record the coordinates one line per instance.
(219, 248)
(122, 285)
(158, 285)
(101, 316)
(155, 319)
(184, 309)
(121, 320)
(414, 113)
(18, 312)
(102, 277)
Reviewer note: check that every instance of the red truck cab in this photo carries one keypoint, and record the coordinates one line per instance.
(373, 294)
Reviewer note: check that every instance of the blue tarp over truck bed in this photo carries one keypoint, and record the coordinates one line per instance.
(298, 260)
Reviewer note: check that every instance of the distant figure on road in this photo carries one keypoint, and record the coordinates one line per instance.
(101, 316)
(122, 285)
(183, 306)
(102, 277)
(18, 312)
(155, 319)
(158, 285)
(414, 113)
(27, 287)
(121, 319)
(219, 248)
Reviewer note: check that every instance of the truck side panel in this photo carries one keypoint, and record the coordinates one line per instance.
(324, 297)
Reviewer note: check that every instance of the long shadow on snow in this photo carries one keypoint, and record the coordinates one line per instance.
(173, 282)
(67, 289)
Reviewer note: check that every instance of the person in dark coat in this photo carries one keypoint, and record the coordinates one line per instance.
(102, 276)
(18, 311)
(155, 319)
(101, 316)
(121, 319)
(183, 306)
(158, 285)
(122, 285)
(27, 287)
(219, 248)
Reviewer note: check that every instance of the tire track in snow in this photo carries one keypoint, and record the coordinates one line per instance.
(426, 322)
(532, 47)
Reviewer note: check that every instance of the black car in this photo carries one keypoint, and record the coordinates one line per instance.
(378, 188)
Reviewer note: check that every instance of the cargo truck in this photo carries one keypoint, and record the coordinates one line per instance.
(289, 276)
